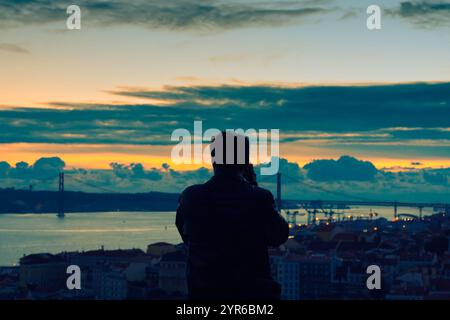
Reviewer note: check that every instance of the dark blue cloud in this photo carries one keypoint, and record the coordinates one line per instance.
(136, 171)
(4, 169)
(43, 168)
(161, 14)
(335, 109)
(345, 169)
(425, 13)
(436, 178)
(358, 117)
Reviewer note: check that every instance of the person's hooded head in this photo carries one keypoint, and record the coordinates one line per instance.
(230, 152)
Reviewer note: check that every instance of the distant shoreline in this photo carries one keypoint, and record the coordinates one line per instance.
(86, 212)
(24, 201)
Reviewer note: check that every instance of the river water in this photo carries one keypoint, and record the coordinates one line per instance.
(33, 233)
(22, 234)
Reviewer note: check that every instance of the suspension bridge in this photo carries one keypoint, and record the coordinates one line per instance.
(335, 208)
(330, 209)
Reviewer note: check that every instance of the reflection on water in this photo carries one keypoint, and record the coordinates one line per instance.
(31, 233)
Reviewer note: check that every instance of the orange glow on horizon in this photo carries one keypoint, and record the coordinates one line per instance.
(99, 156)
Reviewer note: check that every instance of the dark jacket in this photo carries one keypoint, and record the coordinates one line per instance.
(228, 224)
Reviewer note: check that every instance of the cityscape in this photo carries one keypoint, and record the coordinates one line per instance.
(116, 182)
(325, 260)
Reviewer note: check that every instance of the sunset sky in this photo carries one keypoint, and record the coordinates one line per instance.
(137, 70)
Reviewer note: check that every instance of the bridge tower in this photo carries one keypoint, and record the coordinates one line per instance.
(61, 195)
(279, 192)
(395, 210)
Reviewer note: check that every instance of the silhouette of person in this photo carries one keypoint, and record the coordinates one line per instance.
(228, 223)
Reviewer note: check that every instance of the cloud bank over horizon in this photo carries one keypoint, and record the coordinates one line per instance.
(346, 178)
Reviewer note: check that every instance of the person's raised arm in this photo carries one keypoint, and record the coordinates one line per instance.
(277, 229)
(180, 217)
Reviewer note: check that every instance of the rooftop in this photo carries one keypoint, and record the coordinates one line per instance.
(115, 253)
(41, 258)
